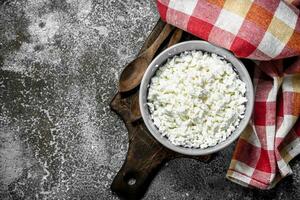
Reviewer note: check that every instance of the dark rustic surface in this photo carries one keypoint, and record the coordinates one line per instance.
(60, 61)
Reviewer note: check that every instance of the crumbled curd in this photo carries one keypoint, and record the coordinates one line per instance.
(196, 99)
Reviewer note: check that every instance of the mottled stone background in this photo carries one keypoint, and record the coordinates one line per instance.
(60, 61)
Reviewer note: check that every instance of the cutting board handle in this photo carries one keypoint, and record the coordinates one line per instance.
(140, 167)
(132, 182)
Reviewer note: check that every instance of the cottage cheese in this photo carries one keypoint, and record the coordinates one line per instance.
(196, 99)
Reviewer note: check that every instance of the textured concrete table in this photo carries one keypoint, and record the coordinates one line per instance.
(60, 61)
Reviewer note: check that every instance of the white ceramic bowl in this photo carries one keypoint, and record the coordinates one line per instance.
(205, 47)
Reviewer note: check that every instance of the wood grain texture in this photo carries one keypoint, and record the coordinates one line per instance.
(176, 37)
(133, 73)
(145, 155)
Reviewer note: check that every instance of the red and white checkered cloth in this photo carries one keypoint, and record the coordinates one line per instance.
(260, 30)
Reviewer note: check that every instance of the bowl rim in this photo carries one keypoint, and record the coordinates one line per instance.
(144, 92)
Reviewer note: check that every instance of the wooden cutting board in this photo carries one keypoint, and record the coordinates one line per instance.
(145, 155)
